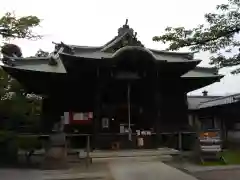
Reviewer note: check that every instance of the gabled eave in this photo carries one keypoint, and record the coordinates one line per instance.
(35, 65)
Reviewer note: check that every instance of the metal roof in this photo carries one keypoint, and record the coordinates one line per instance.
(195, 101)
(220, 101)
(201, 102)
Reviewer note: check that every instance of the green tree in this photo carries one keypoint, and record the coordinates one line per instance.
(41, 53)
(15, 103)
(14, 27)
(219, 36)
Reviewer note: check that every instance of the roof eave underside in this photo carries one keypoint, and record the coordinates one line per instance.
(194, 83)
(101, 55)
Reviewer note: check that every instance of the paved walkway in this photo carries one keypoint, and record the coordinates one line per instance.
(134, 170)
(20, 174)
(200, 168)
(227, 174)
(97, 171)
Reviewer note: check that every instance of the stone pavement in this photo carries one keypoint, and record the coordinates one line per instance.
(151, 170)
(141, 168)
(199, 168)
(97, 171)
(121, 165)
(227, 174)
(20, 174)
(224, 172)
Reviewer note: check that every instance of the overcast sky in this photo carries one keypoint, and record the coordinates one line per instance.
(94, 22)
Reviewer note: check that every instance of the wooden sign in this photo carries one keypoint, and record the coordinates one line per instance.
(210, 144)
(209, 135)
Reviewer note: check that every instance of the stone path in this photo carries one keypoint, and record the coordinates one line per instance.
(20, 174)
(134, 170)
(97, 171)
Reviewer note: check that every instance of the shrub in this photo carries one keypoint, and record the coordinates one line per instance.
(8, 147)
(29, 143)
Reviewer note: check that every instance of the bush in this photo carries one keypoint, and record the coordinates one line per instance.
(29, 143)
(6, 136)
(171, 141)
(8, 147)
(188, 141)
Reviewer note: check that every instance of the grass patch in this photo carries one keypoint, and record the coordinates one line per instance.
(232, 157)
(213, 163)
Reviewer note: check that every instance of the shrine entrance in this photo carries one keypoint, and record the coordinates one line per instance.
(127, 109)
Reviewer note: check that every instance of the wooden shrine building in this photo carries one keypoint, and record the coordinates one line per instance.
(113, 91)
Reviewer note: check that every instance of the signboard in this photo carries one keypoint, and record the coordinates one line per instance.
(210, 144)
(210, 135)
(78, 117)
(143, 133)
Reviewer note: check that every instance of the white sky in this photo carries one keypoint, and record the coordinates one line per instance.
(94, 22)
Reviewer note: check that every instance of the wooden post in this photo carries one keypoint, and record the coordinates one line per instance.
(46, 116)
(97, 109)
(88, 158)
(129, 113)
(96, 120)
(180, 141)
(157, 114)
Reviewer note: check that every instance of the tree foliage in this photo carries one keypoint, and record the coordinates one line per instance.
(14, 27)
(218, 36)
(41, 53)
(17, 106)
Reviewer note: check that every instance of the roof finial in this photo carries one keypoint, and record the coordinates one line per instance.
(135, 34)
(126, 22)
(205, 93)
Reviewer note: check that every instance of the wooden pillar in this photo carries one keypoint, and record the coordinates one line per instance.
(157, 108)
(97, 118)
(51, 113)
(97, 109)
(183, 116)
(157, 111)
(46, 122)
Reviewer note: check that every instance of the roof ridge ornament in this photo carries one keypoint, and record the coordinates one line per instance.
(126, 37)
(66, 48)
(125, 28)
(126, 22)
